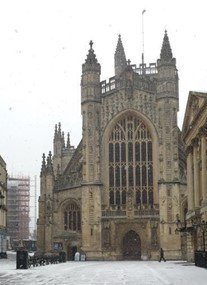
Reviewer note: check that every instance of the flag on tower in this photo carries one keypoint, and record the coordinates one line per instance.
(143, 11)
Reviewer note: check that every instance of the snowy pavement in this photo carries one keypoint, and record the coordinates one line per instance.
(104, 273)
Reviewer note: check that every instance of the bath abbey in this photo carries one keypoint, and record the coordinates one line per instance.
(122, 193)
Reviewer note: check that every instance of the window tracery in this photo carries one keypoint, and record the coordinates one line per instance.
(72, 218)
(130, 162)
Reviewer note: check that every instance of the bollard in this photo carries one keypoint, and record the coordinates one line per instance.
(22, 259)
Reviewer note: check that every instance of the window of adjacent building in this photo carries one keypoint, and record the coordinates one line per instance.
(130, 162)
(72, 218)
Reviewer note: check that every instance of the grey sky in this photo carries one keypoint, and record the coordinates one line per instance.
(45, 42)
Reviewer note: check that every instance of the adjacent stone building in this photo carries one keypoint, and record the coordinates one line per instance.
(194, 134)
(3, 208)
(119, 194)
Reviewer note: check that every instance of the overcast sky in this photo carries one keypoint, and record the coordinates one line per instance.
(45, 42)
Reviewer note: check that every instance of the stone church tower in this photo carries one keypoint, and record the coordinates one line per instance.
(118, 194)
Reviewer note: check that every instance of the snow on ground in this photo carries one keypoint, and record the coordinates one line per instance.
(103, 273)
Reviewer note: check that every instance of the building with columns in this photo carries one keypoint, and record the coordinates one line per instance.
(194, 135)
(119, 194)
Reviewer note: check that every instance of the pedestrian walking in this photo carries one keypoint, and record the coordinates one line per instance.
(162, 255)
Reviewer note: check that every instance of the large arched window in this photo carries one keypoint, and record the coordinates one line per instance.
(130, 162)
(72, 218)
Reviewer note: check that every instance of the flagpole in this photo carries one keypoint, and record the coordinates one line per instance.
(143, 37)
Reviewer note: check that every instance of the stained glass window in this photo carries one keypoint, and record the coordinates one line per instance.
(130, 162)
(72, 218)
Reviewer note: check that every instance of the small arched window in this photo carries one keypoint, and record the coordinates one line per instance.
(72, 218)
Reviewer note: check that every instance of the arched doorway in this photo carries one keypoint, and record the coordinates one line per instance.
(71, 250)
(131, 246)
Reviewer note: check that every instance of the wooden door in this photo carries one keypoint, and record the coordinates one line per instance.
(131, 246)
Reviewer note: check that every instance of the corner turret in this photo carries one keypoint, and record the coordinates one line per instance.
(43, 168)
(120, 62)
(62, 152)
(167, 85)
(166, 56)
(46, 175)
(90, 109)
(49, 166)
(58, 142)
(169, 154)
(68, 141)
(90, 83)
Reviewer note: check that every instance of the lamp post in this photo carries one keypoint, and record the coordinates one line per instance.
(183, 228)
(203, 227)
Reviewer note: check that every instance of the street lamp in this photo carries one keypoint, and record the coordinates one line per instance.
(203, 227)
(183, 228)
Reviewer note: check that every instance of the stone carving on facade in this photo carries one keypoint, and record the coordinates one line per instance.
(129, 89)
(183, 174)
(106, 238)
(74, 177)
(195, 142)
(195, 104)
(130, 200)
(97, 122)
(169, 209)
(154, 236)
(160, 136)
(141, 102)
(49, 211)
(163, 199)
(189, 150)
(91, 207)
(203, 131)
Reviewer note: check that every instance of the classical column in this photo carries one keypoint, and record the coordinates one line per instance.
(189, 153)
(203, 134)
(196, 173)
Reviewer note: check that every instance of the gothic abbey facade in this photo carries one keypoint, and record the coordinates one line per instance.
(119, 194)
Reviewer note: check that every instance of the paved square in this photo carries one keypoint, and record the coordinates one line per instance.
(104, 273)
